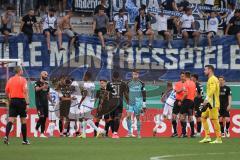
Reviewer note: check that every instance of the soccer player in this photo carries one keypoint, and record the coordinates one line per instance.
(27, 25)
(179, 89)
(42, 96)
(101, 25)
(225, 106)
(50, 27)
(119, 91)
(143, 27)
(87, 105)
(65, 104)
(187, 105)
(211, 106)
(187, 24)
(197, 102)
(137, 102)
(168, 98)
(74, 112)
(53, 107)
(17, 92)
(121, 26)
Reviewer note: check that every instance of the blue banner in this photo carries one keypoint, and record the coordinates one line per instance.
(156, 64)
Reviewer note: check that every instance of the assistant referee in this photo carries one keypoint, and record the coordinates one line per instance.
(17, 92)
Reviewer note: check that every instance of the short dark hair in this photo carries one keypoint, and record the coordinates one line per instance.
(195, 76)
(116, 75)
(135, 70)
(182, 72)
(121, 10)
(87, 75)
(141, 9)
(188, 74)
(101, 8)
(209, 66)
(52, 10)
(221, 77)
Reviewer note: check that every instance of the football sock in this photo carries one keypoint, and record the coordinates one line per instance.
(106, 128)
(222, 127)
(184, 125)
(60, 126)
(43, 121)
(199, 127)
(8, 128)
(217, 128)
(192, 127)
(129, 125)
(51, 128)
(206, 127)
(72, 127)
(138, 127)
(116, 125)
(95, 132)
(174, 125)
(24, 132)
(91, 123)
(227, 125)
(84, 126)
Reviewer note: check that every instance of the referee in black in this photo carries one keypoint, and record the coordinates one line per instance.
(17, 93)
(42, 97)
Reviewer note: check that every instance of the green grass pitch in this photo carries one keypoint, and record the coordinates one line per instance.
(120, 149)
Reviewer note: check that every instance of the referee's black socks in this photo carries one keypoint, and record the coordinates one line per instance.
(227, 125)
(184, 125)
(24, 132)
(8, 128)
(192, 127)
(222, 127)
(174, 125)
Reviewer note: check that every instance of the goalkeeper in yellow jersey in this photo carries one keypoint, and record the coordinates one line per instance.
(211, 106)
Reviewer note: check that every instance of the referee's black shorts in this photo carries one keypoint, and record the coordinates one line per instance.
(187, 107)
(176, 108)
(17, 107)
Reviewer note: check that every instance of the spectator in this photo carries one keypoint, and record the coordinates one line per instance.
(233, 3)
(100, 25)
(103, 4)
(170, 5)
(7, 25)
(213, 23)
(27, 25)
(163, 28)
(50, 27)
(61, 4)
(121, 26)
(233, 27)
(143, 27)
(68, 29)
(41, 5)
(183, 5)
(187, 24)
(209, 3)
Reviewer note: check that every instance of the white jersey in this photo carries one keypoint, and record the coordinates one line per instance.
(49, 22)
(53, 106)
(120, 23)
(213, 24)
(187, 21)
(171, 99)
(161, 22)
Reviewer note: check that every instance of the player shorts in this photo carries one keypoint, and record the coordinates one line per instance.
(53, 113)
(187, 107)
(17, 107)
(102, 30)
(86, 108)
(176, 108)
(69, 33)
(135, 108)
(42, 111)
(143, 31)
(167, 111)
(65, 108)
(211, 113)
(224, 113)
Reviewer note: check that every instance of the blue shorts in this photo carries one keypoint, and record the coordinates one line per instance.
(135, 108)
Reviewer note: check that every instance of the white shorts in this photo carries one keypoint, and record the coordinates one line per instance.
(167, 111)
(53, 113)
(86, 107)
